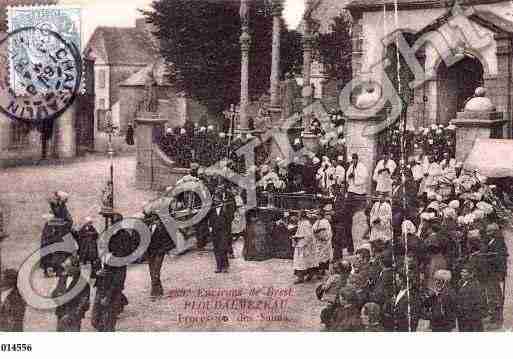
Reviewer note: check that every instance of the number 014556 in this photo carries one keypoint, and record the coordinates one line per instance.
(16, 347)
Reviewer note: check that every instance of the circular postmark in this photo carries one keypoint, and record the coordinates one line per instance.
(40, 75)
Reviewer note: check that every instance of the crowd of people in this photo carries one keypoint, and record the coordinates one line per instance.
(429, 247)
(424, 243)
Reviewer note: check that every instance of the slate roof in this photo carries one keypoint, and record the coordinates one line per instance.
(141, 77)
(324, 11)
(6, 3)
(122, 46)
(374, 5)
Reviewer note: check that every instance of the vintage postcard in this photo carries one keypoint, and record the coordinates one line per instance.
(255, 166)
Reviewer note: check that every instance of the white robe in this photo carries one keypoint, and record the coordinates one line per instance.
(430, 182)
(357, 184)
(383, 229)
(418, 172)
(323, 235)
(305, 251)
(325, 177)
(360, 229)
(340, 174)
(269, 178)
(384, 180)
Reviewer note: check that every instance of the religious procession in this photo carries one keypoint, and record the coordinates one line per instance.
(374, 223)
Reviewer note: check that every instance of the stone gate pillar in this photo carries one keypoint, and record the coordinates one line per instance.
(480, 119)
(146, 128)
(65, 136)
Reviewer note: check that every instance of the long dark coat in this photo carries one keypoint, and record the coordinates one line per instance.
(103, 318)
(70, 314)
(60, 211)
(470, 307)
(341, 238)
(53, 232)
(12, 312)
(222, 224)
(441, 311)
(88, 244)
(161, 242)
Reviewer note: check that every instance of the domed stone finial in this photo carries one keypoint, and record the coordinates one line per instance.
(479, 103)
(368, 98)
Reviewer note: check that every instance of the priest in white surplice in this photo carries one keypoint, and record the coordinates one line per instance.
(381, 221)
(431, 177)
(383, 174)
(357, 177)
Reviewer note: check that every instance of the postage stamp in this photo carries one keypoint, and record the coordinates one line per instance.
(41, 74)
(64, 21)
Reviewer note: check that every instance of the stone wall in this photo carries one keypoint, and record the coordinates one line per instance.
(62, 145)
(154, 170)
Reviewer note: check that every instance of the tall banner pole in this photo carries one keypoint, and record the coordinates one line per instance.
(402, 139)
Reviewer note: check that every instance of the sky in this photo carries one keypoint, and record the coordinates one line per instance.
(124, 12)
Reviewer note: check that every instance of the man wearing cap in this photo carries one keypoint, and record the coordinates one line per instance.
(469, 303)
(12, 304)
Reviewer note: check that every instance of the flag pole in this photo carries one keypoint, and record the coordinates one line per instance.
(402, 138)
